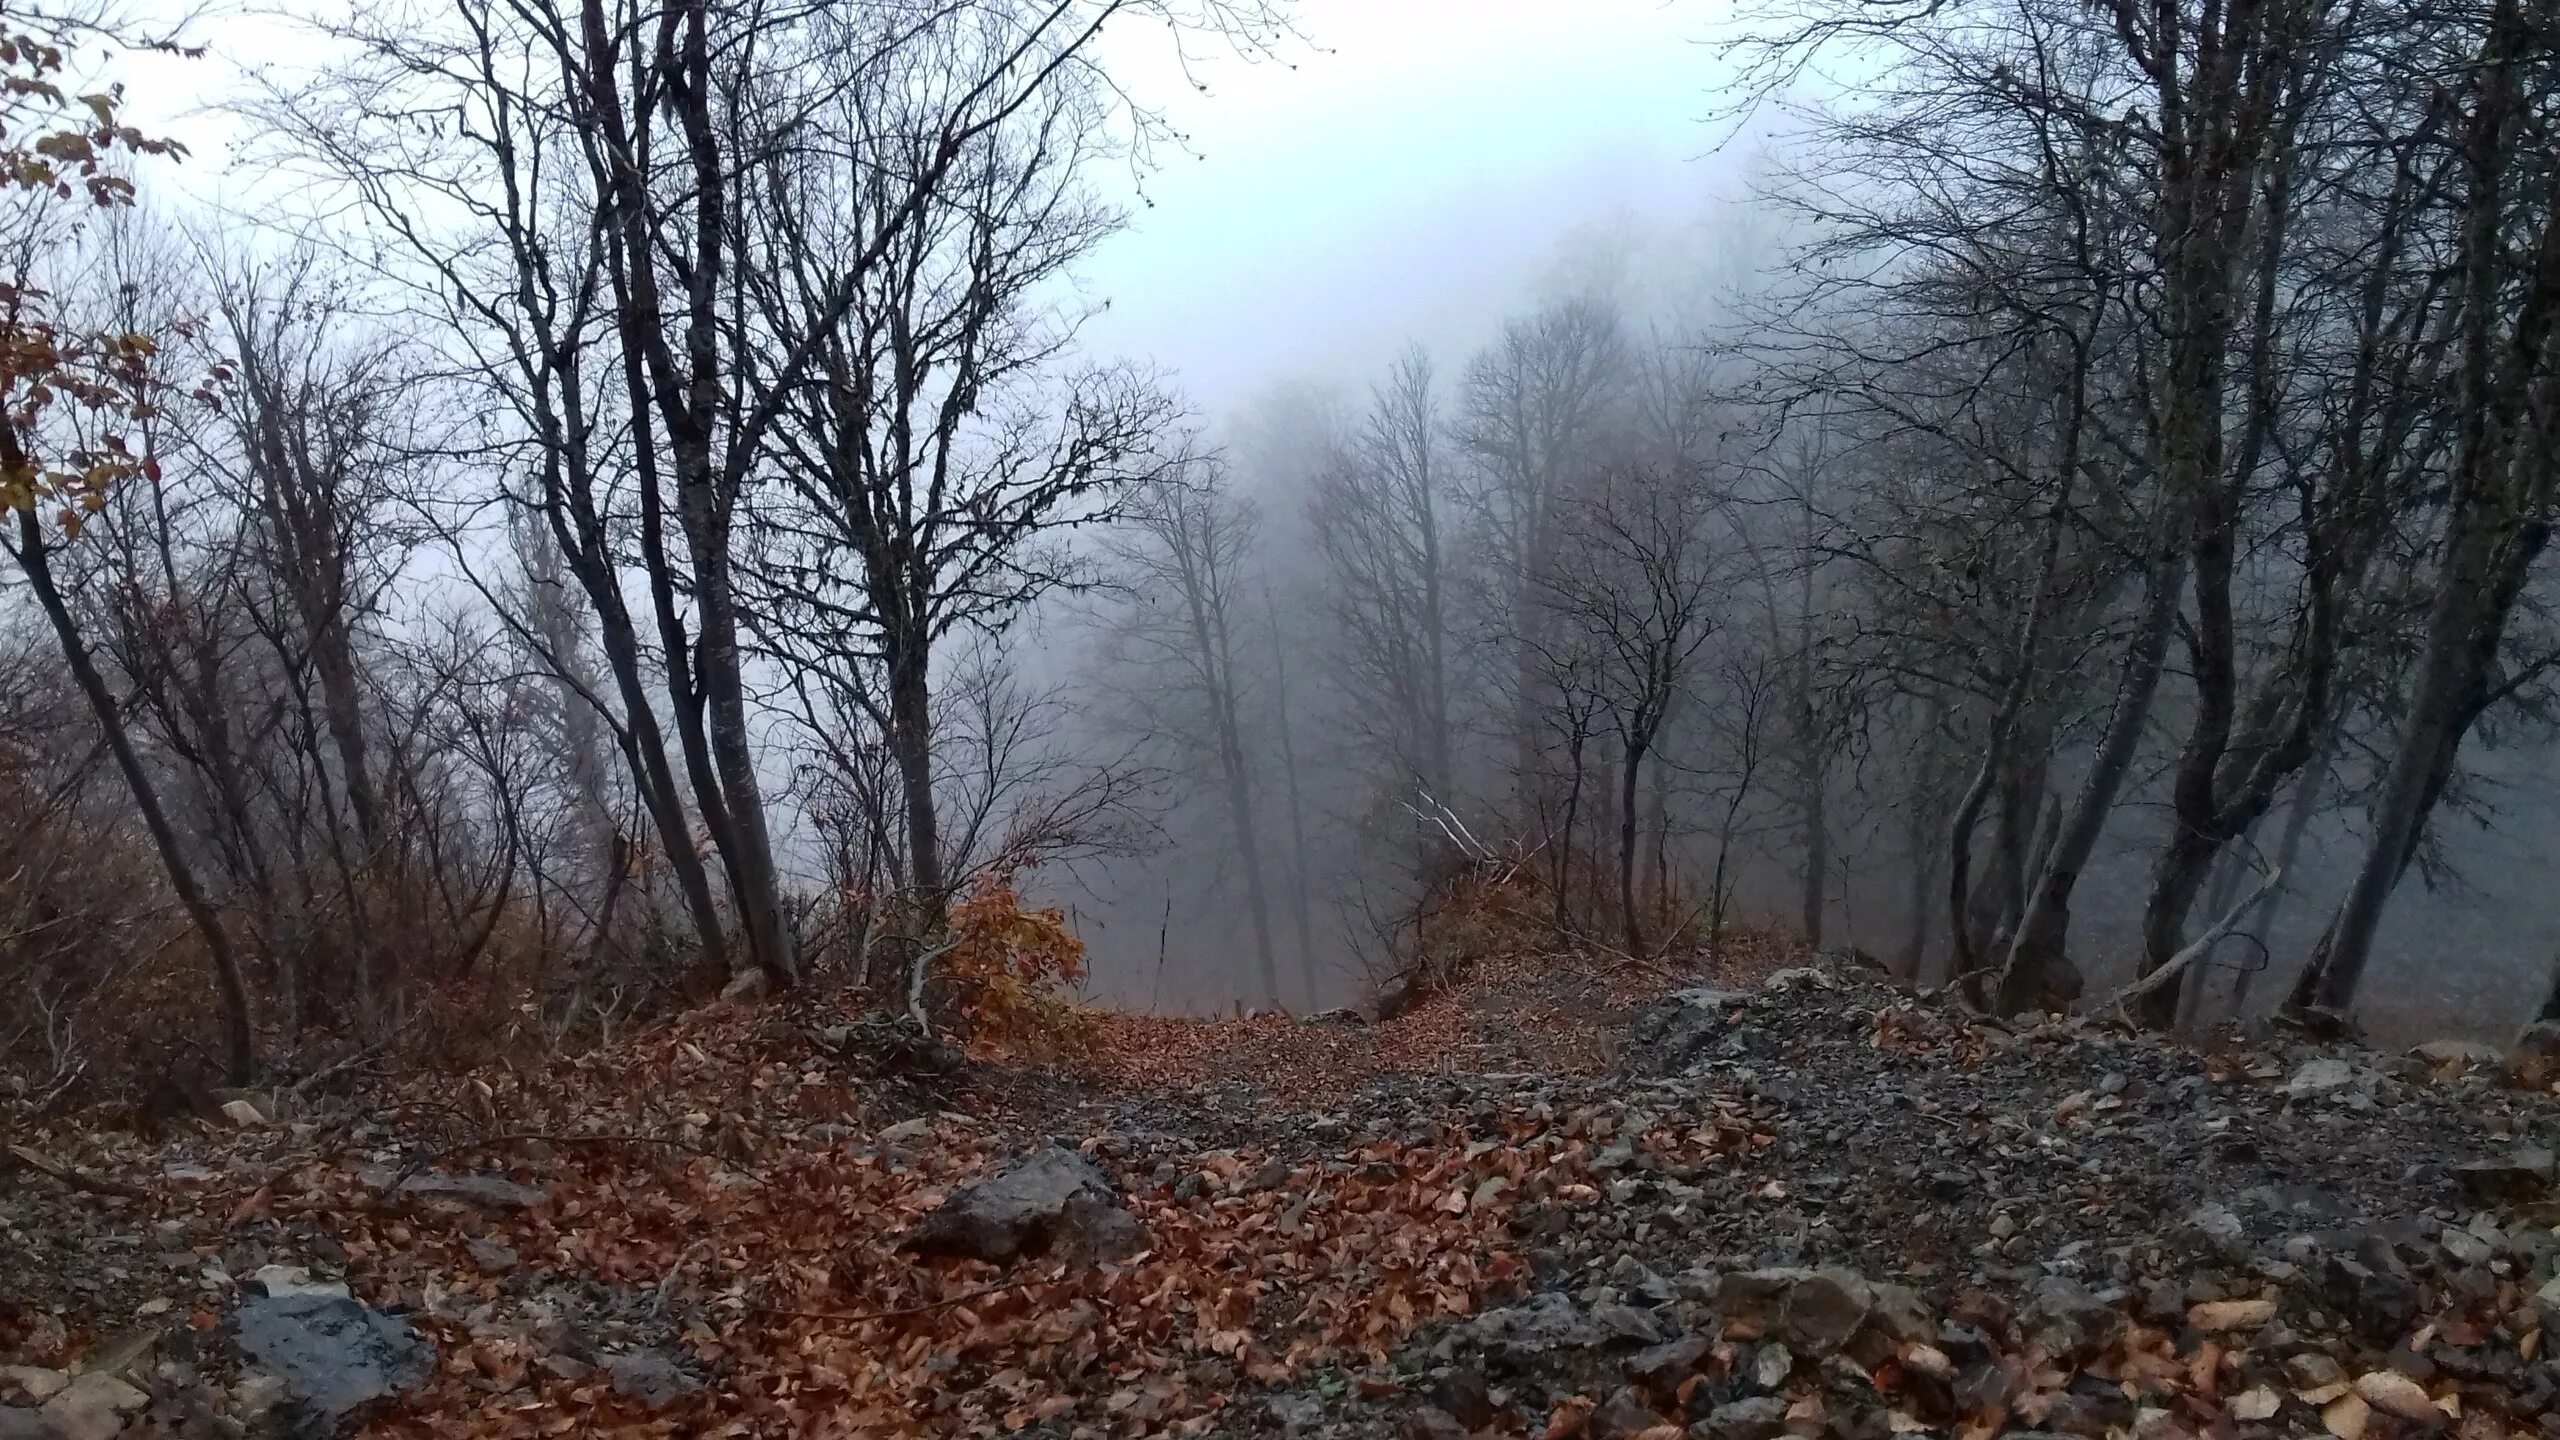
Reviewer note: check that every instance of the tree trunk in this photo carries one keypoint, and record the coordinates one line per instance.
(911, 746)
(239, 1029)
(2038, 961)
(1629, 784)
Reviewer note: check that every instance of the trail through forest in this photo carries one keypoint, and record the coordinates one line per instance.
(1787, 1199)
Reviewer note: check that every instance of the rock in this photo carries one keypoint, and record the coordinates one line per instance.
(747, 987)
(1050, 1200)
(1761, 1417)
(1901, 1314)
(92, 1407)
(336, 1359)
(2548, 1298)
(1465, 1395)
(1755, 1297)
(2219, 1231)
(2068, 1321)
(1544, 1323)
(1430, 1422)
(1621, 1321)
(2324, 1076)
(1800, 977)
(489, 1192)
(2457, 1054)
(285, 1282)
(244, 1114)
(1667, 1364)
(492, 1257)
(1624, 1415)
(1676, 1031)
(39, 1383)
(2373, 1288)
(907, 1131)
(2520, 1175)
(1340, 1015)
(20, 1423)
(1824, 1309)
(655, 1378)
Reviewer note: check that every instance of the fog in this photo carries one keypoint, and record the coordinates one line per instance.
(1237, 471)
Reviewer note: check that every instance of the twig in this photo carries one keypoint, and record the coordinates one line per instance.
(76, 1179)
(2269, 876)
(864, 1317)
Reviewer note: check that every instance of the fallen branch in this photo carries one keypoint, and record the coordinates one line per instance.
(75, 1178)
(2269, 876)
(865, 1317)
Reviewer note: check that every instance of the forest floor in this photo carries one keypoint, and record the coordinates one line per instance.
(1556, 1199)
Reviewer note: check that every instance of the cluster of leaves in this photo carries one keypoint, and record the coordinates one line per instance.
(61, 148)
(1005, 974)
(699, 1172)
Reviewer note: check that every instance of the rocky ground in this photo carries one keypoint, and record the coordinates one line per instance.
(1549, 1202)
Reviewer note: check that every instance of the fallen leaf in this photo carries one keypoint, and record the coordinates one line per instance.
(2231, 1314)
(2260, 1403)
(2345, 1417)
(2393, 1393)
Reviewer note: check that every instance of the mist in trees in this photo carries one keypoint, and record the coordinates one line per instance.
(651, 520)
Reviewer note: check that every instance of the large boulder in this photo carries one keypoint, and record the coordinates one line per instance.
(336, 1359)
(1050, 1201)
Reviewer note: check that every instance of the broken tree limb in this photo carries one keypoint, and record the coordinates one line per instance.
(75, 1178)
(2269, 876)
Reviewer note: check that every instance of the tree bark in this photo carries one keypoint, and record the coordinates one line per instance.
(239, 1027)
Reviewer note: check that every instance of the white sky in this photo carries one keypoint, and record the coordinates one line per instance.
(1408, 175)
(1409, 178)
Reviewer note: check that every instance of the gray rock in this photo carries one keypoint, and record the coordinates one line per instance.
(2070, 1322)
(1625, 1322)
(1051, 1200)
(2458, 1054)
(2521, 1174)
(1761, 1417)
(93, 1407)
(2373, 1288)
(1622, 1415)
(1757, 1296)
(1676, 1032)
(337, 1359)
(489, 1192)
(655, 1378)
(1824, 1309)
(2324, 1076)
(1670, 1362)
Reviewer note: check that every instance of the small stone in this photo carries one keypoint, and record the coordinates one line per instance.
(1668, 1363)
(39, 1383)
(1624, 1415)
(2310, 1370)
(2324, 1076)
(492, 1257)
(2522, 1174)
(1824, 1309)
(2259, 1403)
(244, 1114)
(1761, 1417)
(652, 1377)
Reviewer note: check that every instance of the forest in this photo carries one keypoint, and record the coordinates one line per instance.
(643, 520)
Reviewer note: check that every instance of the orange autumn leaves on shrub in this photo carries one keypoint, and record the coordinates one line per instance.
(1006, 971)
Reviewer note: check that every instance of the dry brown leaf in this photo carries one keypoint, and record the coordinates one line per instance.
(2346, 1416)
(2231, 1314)
(2393, 1393)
